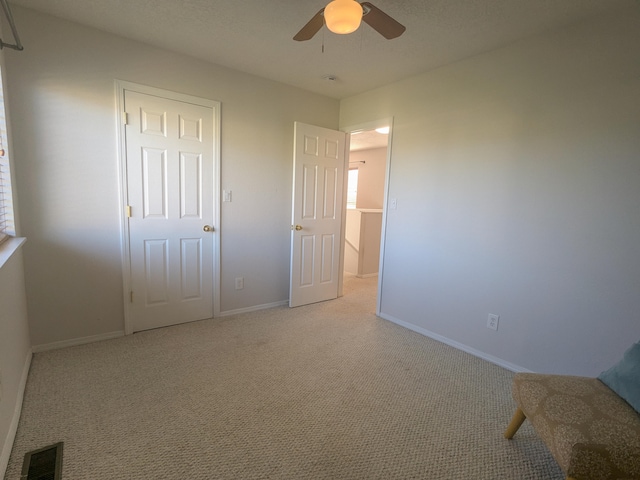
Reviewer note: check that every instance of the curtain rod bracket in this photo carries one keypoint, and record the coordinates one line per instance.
(9, 45)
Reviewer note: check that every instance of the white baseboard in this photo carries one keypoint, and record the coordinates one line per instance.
(76, 341)
(452, 343)
(253, 309)
(13, 428)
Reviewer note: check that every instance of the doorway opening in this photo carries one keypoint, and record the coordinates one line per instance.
(365, 212)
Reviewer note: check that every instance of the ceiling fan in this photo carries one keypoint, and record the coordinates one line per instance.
(344, 16)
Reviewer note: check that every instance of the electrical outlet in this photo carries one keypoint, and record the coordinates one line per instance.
(492, 321)
(239, 283)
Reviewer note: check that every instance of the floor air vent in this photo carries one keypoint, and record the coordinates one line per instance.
(43, 464)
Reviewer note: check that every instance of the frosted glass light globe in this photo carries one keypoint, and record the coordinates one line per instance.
(343, 16)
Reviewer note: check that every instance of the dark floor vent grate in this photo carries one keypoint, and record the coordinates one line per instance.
(43, 464)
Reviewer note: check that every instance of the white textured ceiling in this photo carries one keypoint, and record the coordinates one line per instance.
(367, 139)
(255, 36)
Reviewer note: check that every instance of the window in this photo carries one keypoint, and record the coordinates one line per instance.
(6, 204)
(352, 188)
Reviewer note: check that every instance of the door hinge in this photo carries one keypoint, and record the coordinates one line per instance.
(128, 211)
(131, 296)
(125, 118)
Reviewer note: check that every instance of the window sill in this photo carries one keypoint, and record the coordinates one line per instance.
(9, 247)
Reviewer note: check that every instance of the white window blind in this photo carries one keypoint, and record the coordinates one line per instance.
(3, 204)
(6, 205)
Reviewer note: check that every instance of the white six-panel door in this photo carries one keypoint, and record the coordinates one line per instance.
(318, 179)
(169, 176)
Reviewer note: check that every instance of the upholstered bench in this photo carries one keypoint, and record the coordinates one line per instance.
(591, 432)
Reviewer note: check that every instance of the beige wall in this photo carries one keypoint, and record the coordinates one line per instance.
(15, 349)
(371, 175)
(517, 176)
(63, 98)
(362, 242)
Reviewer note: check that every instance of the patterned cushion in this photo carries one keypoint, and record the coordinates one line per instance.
(591, 432)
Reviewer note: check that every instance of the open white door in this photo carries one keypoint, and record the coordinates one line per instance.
(170, 191)
(317, 211)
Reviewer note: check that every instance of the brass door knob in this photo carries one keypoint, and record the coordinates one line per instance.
(298, 227)
(207, 228)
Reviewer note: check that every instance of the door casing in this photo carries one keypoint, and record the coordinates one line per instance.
(120, 87)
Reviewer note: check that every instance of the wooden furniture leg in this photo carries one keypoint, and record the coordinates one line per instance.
(513, 427)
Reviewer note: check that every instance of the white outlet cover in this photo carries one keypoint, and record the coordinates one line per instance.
(493, 321)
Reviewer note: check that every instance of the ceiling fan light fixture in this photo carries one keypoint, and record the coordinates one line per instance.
(343, 16)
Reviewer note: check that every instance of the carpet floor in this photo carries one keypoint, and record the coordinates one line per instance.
(325, 391)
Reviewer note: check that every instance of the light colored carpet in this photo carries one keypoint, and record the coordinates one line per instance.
(327, 391)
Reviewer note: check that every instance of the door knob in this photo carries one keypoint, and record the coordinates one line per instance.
(207, 228)
(298, 227)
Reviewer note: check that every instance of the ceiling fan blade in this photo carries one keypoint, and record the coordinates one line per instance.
(381, 22)
(311, 28)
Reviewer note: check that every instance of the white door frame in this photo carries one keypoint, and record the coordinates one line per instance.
(372, 125)
(121, 86)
